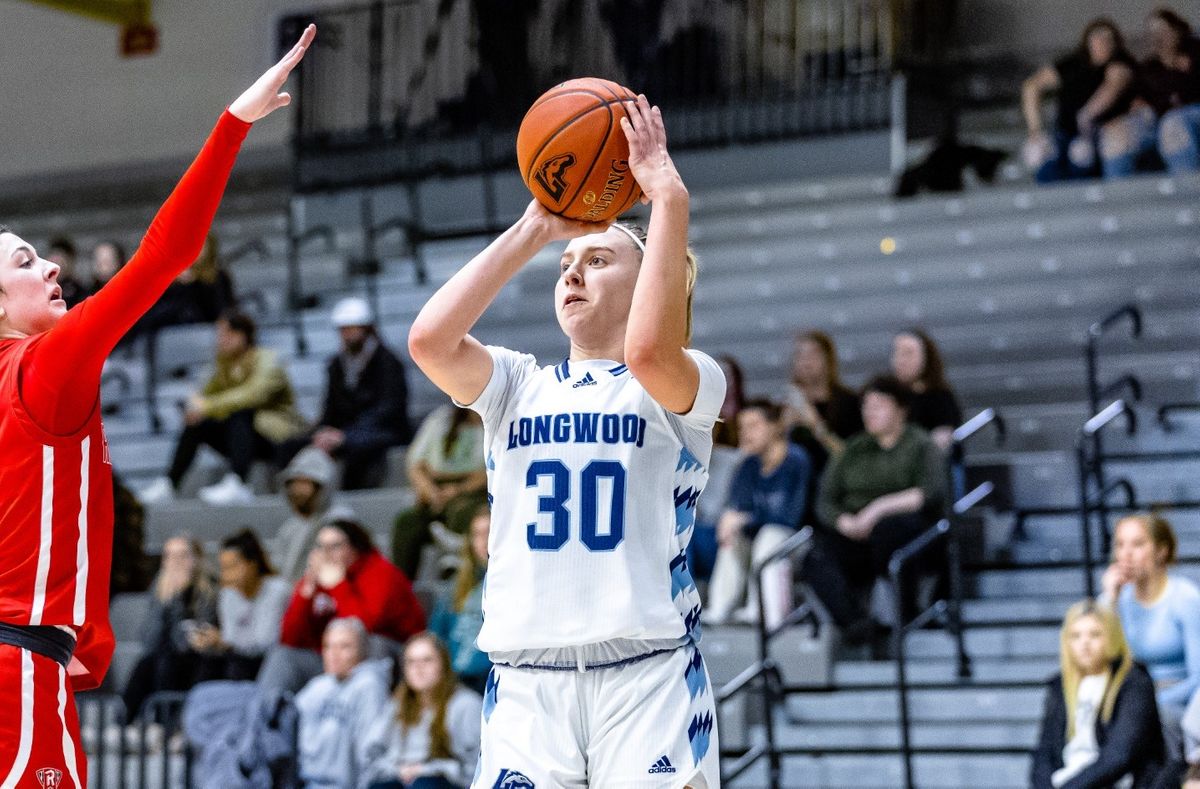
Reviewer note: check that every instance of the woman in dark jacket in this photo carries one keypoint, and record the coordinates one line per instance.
(1101, 720)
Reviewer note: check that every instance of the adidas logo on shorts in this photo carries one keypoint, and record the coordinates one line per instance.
(586, 380)
(663, 765)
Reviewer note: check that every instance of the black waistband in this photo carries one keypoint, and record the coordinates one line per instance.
(45, 640)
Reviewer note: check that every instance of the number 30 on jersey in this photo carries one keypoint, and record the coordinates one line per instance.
(551, 534)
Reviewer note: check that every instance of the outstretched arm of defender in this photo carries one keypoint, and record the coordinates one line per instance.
(656, 335)
(62, 372)
(439, 341)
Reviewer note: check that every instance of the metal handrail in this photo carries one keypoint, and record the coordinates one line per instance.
(1166, 409)
(1102, 419)
(988, 416)
(940, 609)
(1127, 381)
(1131, 311)
(295, 289)
(765, 667)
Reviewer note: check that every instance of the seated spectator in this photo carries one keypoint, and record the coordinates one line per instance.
(346, 576)
(132, 569)
(338, 707)
(886, 487)
(366, 400)
(446, 469)
(1171, 86)
(1160, 612)
(1100, 723)
(250, 608)
(766, 502)
(1096, 85)
(429, 736)
(61, 251)
(184, 600)
(201, 294)
(458, 624)
(108, 257)
(725, 431)
(821, 411)
(308, 488)
(244, 412)
(917, 363)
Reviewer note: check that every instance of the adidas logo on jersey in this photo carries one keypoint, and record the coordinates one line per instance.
(663, 765)
(586, 380)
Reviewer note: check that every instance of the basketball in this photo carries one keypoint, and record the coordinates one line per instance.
(573, 154)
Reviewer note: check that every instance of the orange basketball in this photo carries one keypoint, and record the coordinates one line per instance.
(572, 152)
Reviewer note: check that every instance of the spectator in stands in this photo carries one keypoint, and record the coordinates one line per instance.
(1160, 612)
(1171, 86)
(108, 257)
(132, 569)
(62, 252)
(338, 708)
(429, 736)
(766, 502)
(446, 469)
(366, 400)
(820, 410)
(1100, 722)
(458, 623)
(244, 412)
(201, 294)
(346, 576)
(308, 485)
(917, 363)
(886, 487)
(725, 432)
(184, 600)
(1096, 85)
(250, 608)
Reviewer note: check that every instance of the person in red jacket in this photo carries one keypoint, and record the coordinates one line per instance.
(346, 576)
(56, 507)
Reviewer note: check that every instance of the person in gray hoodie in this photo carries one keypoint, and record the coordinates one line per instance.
(308, 486)
(338, 707)
(428, 737)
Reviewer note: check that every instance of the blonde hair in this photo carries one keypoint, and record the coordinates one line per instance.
(1159, 530)
(470, 568)
(1117, 657)
(200, 579)
(693, 268)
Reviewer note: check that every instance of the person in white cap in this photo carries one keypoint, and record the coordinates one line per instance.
(366, 400)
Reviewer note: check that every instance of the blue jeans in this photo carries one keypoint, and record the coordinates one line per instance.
(1179, 139)
(1059, 167)
(424, 782)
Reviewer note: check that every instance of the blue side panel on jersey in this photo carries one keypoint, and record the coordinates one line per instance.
(687, 461)
(681, 576)
(699, 733)
(691, 623)
(694, 676)
(491, 461)
(685, 508)
(491, 694)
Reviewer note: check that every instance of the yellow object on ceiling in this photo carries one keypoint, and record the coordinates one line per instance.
(117, 12)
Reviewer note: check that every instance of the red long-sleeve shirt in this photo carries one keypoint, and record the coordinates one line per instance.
(56, 515)
(374, 590)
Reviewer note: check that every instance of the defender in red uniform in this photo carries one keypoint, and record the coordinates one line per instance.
(56, 515)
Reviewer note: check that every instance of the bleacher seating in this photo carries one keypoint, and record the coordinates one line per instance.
(1007, 279)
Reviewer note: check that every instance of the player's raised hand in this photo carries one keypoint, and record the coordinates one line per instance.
(264, 96)
(552, 227)
(649, 160)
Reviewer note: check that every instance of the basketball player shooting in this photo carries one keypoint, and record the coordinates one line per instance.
(56, 516)
(594, 466)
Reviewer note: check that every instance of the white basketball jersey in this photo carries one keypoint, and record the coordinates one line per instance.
(593, 487)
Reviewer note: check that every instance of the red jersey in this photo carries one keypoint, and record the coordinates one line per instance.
(56, 509)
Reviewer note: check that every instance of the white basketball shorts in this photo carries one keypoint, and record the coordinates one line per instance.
(646, 724)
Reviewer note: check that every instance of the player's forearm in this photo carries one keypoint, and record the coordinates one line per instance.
(445, 320)
(658, 316)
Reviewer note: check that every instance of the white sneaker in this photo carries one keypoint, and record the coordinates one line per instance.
(160, 491)
(746, 615)
(230, 490)
(448, 541)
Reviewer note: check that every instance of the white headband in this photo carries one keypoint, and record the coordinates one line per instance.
(636, 241)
